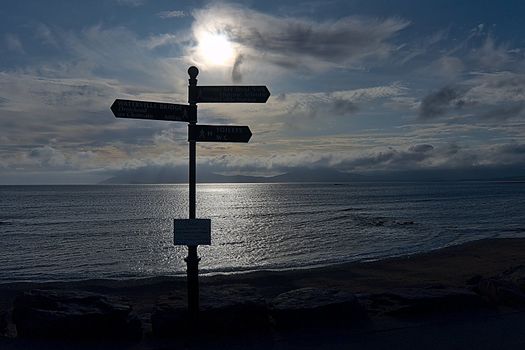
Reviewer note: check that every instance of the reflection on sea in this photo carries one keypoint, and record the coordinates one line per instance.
(77, 232)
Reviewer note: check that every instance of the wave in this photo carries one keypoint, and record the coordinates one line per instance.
(366, 220)
(97, 221)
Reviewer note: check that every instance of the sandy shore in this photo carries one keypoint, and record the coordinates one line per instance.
(452, 266)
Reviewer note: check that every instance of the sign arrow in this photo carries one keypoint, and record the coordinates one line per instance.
(153, 110)
(219, 133)
(231, 94)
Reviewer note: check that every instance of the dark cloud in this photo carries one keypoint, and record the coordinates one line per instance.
(514, 82)
(514, 148)
(417, 162)
(511, 154)
(391, 159)
(440, 102)
(497, 97)
(423, 148)
(294, 42)
(446, 157)
(334, 42)
(340, 106)
(505, 112)
(133, 3)
(236, 70)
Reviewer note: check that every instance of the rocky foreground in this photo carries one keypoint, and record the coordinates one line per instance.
(326, 307)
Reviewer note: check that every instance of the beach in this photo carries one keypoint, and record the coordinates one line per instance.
(460, 267)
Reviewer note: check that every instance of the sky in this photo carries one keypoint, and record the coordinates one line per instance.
(358, 86)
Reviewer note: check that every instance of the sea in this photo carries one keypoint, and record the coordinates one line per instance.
(57, 233)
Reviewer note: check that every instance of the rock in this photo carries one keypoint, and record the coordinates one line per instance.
(474, 280)
(313, 307)
(230, 310)
(170, 319)
(516, 275)
(499, 291)
(3, 324)
(74, 315)
(419, 301)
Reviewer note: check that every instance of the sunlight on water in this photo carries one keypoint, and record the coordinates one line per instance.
(77, 232)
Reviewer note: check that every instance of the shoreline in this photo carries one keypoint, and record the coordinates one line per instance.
(247, 271)
(497, 249)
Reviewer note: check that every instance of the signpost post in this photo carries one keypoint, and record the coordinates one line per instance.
(192, 260)
(193, 232)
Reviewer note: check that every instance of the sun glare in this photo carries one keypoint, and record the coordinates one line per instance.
(216, 49)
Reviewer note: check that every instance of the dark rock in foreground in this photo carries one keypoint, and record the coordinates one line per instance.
(516, 275)
(74, 315)
(313, 307)
(420, 301)
(502, 292)
(3, 324)
(225, 311)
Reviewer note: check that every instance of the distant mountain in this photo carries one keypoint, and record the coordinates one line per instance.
(165, 175)
(159, 176)
(318, 175)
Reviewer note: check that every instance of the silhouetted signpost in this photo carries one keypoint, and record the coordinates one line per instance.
(231, 94)
(153, 110)
(193, 232)
(219, 133)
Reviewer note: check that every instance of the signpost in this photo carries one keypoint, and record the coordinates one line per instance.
(193, 232)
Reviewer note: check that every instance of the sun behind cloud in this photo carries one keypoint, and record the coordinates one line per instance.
(215, 49)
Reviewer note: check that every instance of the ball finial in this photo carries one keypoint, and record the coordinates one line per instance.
(193, 72)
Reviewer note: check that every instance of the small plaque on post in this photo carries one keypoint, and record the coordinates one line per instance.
(192, 231)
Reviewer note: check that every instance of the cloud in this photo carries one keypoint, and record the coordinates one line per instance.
(133, 3)
(46, 35)
(443, 158)
(489, 96)
(30, 94)
(171, 14)
(431, 157)
(492, 56)
(297, 111)
(236, 69)
(13, 43)
(439, 102)
(47, 156)
(422, 148)
(118, 52)
(448, 67)
(391, 159)
(290, 42)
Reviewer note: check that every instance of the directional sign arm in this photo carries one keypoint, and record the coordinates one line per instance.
(153, 110)
(219, 133)
(230, 94)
